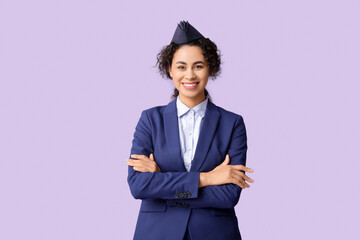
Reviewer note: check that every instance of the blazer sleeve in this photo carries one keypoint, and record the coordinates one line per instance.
(157, 185)
(227, 195)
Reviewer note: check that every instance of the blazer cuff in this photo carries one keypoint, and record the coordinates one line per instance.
(189, 189)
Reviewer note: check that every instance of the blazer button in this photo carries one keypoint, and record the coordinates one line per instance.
(188, 194)
(177, 195)
(182, 195)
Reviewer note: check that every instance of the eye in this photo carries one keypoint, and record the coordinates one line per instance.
(181, 67)
(199, 66)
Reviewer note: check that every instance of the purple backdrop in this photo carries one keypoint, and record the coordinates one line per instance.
(75, 76)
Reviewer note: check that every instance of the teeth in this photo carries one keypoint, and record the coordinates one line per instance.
(189, 85)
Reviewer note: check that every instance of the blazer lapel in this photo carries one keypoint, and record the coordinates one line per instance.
(171, 129)
(206, 136)
(207, 132)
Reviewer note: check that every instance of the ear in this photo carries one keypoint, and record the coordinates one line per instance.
(170, 73)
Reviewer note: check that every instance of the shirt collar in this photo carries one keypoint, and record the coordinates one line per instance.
(199, 109)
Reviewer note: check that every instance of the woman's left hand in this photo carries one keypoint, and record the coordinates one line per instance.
(143, 163)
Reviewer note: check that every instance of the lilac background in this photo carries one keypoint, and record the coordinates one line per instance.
(75, 76)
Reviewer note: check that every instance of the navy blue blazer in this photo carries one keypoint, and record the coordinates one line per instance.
(171, 199)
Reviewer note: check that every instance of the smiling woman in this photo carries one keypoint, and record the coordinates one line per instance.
(188, 157)
(210, 54)
(190, 73)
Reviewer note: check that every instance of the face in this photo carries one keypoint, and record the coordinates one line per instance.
(190, 73)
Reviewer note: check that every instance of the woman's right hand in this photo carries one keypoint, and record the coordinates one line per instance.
(225, 173)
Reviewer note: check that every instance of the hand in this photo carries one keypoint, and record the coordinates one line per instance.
(225, 173)
(143, 163)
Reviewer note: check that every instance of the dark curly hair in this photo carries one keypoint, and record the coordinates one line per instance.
(210, 51)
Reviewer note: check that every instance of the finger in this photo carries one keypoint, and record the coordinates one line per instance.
(239, 183)
(240, 176)
(246, 184)
(242, 168)
(143, 158)
(227, 160)
(133, 160)
(145, 165)
(139, 169)
(248, 179)
(144, 169)
(236, 179)
(130, 163)
(137, 156)
(152, 157)
(136, 163)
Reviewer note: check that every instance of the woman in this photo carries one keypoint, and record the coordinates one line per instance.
(188, 157)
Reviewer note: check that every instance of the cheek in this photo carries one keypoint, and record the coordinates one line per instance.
(176, 76)
(205, 77)
(176, 82)
(204, 84)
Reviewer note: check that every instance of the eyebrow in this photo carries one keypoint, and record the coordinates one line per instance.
(197, 62)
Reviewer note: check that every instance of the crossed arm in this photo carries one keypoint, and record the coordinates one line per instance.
(222, 174)
(218, 188)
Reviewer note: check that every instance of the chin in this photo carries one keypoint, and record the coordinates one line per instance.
(191, 95)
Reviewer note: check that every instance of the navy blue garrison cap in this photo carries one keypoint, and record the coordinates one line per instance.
(185, 33)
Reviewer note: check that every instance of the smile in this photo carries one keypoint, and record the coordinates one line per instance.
(190, 85)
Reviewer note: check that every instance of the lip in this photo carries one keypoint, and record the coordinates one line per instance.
(192, 87)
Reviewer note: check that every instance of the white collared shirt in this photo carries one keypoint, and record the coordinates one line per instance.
(190, 122)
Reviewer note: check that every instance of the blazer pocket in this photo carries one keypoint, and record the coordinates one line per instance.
(153, 206)
(223, 212)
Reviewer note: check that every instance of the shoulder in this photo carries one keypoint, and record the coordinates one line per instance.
(154, 114)
(156, 110)
(229, 115)
(231, 120)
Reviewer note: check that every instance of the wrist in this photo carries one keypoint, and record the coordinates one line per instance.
(204, 179)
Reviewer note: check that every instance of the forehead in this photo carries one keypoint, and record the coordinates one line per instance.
(188, 54)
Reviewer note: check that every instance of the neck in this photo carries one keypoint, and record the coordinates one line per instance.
(192, 102)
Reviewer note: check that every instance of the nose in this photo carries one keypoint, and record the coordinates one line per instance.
(190, 74)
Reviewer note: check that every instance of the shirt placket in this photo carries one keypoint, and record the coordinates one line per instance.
(189, 138)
